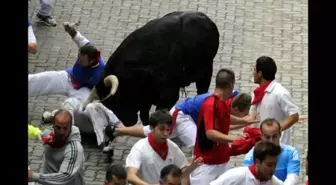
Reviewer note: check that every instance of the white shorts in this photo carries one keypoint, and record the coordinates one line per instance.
(204, 174)
(185, 129)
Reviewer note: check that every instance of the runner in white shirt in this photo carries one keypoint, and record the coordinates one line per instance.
(271, 99)
(149, 155)
(261, 172)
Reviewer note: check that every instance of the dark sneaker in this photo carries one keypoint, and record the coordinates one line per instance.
(109, 131)
(70, 28)
(47, 20)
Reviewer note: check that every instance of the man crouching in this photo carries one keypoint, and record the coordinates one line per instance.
(63, 153)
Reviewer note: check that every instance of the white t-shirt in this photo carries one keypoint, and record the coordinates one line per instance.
(143, 157)
(242, 176)
(278, 104)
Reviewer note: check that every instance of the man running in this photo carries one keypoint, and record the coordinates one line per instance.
(271, 99)
(149, 155)
(288, 166)
(213, 124)
(75, 82)
(261, 171)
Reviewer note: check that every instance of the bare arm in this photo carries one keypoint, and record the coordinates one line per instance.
(194, 163)
(290, 109)
(236, 127)
(211, 133)
(290, 121)
(247, 120)
(32, 48)
(32, 44)
(303, 117)
(217, 136)
(237, 121)
(133, 178)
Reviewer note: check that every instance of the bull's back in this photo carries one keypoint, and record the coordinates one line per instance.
(167, 46)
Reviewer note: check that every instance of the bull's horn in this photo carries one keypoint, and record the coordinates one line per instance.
(113, 82)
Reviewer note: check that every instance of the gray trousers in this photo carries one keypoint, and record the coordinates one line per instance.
(46, 7)
(93, 119)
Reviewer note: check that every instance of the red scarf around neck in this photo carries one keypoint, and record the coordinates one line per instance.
(259, 92)
(160, 149)
(253, 170)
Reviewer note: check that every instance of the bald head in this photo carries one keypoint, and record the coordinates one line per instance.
(63, 117)
(62, 125)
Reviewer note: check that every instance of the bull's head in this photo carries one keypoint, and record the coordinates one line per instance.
(111, 82)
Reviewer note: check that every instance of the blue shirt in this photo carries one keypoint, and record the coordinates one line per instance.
(85, 76)
(192, 106)
(288, 162)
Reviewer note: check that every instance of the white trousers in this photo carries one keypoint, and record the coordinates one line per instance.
(93, 119)
(204, 174)
(57, 82)
(54, 82)
(46, 7)
(185, 129)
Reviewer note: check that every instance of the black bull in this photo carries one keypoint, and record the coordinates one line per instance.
(154, 62)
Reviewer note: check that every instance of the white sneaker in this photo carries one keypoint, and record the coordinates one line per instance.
(48, 116)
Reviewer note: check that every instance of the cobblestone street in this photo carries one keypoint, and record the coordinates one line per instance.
(248, 29)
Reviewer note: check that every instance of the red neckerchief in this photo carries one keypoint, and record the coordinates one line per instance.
(253, 170)
(259, 93)
(49, 140)
(160, 149)
(307, 182)
(75, 84)
(174, 116)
